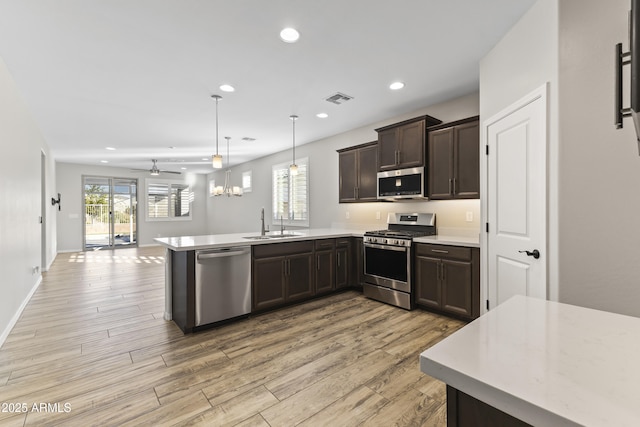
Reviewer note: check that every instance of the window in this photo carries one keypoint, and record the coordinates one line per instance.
(246, 182)
(168, 200)
(291, 194)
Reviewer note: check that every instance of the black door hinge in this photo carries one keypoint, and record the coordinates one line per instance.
(487, 227)
(487, 151)
(487, 304)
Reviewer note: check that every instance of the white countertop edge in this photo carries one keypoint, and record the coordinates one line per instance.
(212, 241)
(504, 401)
(440, 239)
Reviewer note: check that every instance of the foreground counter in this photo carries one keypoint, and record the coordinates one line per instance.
(542, 363)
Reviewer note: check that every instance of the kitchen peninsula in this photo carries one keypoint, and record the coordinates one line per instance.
(530, 361)
(300, 265)
(284, 255)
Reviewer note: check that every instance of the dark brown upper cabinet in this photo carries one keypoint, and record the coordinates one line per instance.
(454, 160)
(358, 168)
(402, 145)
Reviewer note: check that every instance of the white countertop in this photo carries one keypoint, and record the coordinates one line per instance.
(546, 363)
(187, 243)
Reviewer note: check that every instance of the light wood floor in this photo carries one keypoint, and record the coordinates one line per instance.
(93, 338)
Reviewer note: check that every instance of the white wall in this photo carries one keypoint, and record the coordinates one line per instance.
(525, 59)
(599, 178)
(593, 169)
(69, 219)
(243, 214)
(21, 146)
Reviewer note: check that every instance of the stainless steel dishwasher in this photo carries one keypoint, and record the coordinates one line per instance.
(223, 284)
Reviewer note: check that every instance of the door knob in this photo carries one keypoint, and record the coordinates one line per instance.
(534, 253)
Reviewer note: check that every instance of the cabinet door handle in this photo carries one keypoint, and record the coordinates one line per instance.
(450, 186)
(338, 259)
(454, 186)
(443, 273)
(318, 262)
(440, 251)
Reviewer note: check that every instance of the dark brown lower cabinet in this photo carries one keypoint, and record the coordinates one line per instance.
(448, 279)
(281, 273)
(183, 279)
(325, 272)
(333, 269)
(343, 276)
(467, 411)
(357, 267)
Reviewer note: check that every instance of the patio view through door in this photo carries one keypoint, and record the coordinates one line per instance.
(110, 212)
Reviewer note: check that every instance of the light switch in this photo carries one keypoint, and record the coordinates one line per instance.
(378, 215)
(469, 216)
(347, 215)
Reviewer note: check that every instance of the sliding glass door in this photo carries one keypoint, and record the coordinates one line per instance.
(110, 214)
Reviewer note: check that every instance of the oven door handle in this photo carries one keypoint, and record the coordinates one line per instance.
(387, 248)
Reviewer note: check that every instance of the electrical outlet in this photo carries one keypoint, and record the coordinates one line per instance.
(469, 216)
(347, 215)
(378, 215)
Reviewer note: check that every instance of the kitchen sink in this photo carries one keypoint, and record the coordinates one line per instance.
(274, 235)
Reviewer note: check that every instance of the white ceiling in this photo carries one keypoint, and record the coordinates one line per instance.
(137, 75)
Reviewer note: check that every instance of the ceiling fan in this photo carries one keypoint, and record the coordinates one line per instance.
(154, 169)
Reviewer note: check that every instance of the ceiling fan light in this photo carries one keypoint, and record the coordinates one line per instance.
(216, 161)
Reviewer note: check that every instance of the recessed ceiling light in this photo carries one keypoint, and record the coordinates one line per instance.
(289, 35)
(172, 147)
(322, 115)
(396, 85)
(227, 88)
(183, 168)
(206, 159)
(109, 148)
(104, 161)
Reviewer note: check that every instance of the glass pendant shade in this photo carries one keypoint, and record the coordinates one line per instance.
(293, 169)
(216, 161)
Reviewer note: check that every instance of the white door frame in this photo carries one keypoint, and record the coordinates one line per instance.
(541, 92)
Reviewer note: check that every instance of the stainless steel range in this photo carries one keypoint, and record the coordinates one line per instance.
(387, 257)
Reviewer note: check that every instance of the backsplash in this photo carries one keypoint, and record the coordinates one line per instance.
(451, 215)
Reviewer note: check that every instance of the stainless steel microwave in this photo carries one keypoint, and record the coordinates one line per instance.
(402, 184)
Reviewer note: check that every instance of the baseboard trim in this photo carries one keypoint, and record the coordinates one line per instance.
(16, 316)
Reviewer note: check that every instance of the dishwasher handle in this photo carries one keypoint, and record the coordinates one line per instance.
(221, 253)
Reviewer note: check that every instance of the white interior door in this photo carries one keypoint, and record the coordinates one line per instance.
(516, 200)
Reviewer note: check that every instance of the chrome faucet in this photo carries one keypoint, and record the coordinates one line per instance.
(281, 225)
(263, 231)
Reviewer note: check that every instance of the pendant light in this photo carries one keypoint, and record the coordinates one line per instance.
(227, 190)
(216, 159)
(293, 169)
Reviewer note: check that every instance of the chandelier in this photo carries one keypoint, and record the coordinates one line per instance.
(227, 190)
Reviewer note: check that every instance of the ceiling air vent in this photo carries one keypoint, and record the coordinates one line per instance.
(339, 98)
